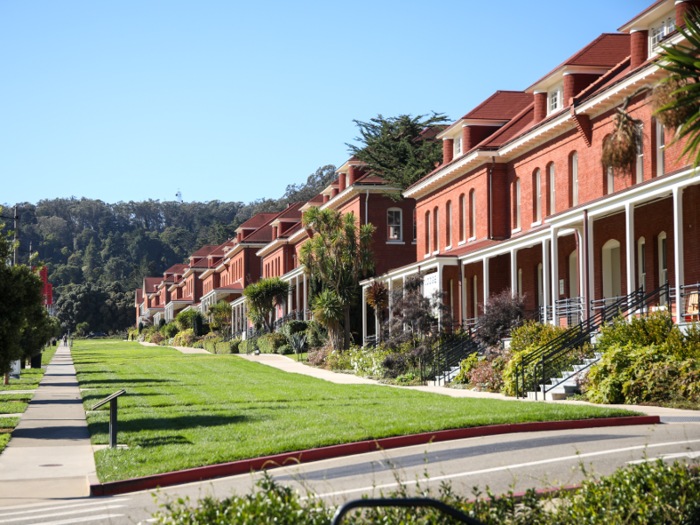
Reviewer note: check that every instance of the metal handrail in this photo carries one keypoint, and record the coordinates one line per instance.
(401, 502)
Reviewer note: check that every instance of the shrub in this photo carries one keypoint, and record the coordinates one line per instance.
(526, 339)
(234, 346)
(292, 327)
(184, 338)
(225, 347)
(316, 335)
(285, 349)
(169, 330)
(466, 366)
(186, 320)
(161, 323)
(318, 357)
(502, 314)
(270, 343)
(339, 360)
(156, 337)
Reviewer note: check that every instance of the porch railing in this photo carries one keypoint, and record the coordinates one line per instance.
(554, 359)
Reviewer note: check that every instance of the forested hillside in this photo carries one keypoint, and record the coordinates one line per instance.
(89, 241)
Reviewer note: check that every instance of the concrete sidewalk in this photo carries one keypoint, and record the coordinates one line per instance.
(289, 365)
(49, 455)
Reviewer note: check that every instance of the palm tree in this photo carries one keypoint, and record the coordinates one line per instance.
(377, 297)
(677, 97)
(221, 315)
(262, 297)
(328, 310)
(337, 253)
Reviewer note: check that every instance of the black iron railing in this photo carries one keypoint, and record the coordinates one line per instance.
(556, 358)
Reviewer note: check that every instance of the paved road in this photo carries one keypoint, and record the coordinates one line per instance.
(517, 460)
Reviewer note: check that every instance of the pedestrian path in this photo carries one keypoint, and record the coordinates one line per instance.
(49, 455)
(289, 365)
(181, 349)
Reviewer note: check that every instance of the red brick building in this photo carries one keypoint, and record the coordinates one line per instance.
(522, 200)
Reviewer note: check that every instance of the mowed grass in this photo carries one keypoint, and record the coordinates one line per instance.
(183, 411)
(29, 378)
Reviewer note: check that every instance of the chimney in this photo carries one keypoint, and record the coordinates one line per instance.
(239, 236)
(334, 192)
(683, 7)
(639, 50)
(274, 232)
(326, 198)
(351, 175)
(569, 89)
(540, 105)
(447, 150)
(341, 183)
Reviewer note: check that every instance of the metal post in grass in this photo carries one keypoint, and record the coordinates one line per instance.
(112, 400)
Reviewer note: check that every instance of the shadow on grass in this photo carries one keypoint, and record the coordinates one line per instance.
(148, 424)
(141, 382)
(162, 440)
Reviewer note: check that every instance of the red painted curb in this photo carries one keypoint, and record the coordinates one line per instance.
(348, 449)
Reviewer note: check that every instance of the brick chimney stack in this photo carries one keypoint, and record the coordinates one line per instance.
(447, 150)
(540, 105)
(639, 47)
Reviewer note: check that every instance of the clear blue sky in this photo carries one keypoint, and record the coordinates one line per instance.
(227, 100)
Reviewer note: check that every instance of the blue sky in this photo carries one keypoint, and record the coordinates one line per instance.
(234, 100)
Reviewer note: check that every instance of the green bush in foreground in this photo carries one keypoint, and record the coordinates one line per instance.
(648, 493)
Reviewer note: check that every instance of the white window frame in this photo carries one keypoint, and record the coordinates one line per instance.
(641, 263)
(639, 169)
(660, 30)
(574, 178)
(429, 231)
(552, 190)
(555, 99)
(457, 147)
(518, 221)
(448, 225)
(610, 174)
(660, 149)
(663, 258)
(538, 196)
(389, 224)
(472, 215)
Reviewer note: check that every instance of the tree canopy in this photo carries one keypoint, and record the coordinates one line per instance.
(402, 149)
(103, 308)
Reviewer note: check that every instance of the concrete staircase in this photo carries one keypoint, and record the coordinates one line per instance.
(446, 378)
(567, 384)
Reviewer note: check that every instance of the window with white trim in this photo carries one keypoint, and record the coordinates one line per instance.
(394, 224)
(574, 179)
(462, 218)
(472, 214)
(639, 168)
(552, 191)
(448, 225)
(516, 197)
(660, 149)
(555, 99)
(457, 147)
(427, 233)
(610, 174)
(659, 31)
(538, 195)
(663, 260)
(642, 263)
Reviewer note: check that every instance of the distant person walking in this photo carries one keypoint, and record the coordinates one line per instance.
(65, 340)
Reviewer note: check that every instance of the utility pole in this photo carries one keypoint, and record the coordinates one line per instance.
(16, 237)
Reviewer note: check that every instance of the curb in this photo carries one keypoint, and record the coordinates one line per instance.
(335, 451)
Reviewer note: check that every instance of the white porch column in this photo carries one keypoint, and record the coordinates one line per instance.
(289, 300)
(545, 280)
(306, 306)
(514, 272)
(296, 290)
(464, 309)
(391, 289)
(364, 315)
(439, 279)
(486, 279)
(591, 265)
(554, 247)
(678, 251)
(629, 246)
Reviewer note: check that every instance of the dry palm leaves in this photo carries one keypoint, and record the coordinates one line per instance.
(621, 147)
(671, 107)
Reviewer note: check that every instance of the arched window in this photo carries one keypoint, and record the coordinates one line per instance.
(516, 199)
(427, 233)
(436, 230)
(472, 214)
(448, 225)
(660, 150)
(462, 218)
(641, 263)
(537, 196)
(394, 229)
(552, 184)
(639, 168)
(415, 227)
(609, 180)
(573, 179)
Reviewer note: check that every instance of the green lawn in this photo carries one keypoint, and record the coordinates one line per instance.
(28, 380)
(182, 411)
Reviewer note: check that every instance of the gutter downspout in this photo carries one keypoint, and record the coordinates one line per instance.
(490, 232)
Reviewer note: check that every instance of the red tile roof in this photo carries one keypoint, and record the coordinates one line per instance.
(257, 220)
(519, 124)
(151, 284)
(176, 269)
(605, 51)
(204, 250)
(293, 211)
(202, 263)
(291, 231)
(652, 6)
(502, 105)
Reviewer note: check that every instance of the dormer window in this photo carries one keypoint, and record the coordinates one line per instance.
(457, 146)
(555, 99)
(659, 31)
